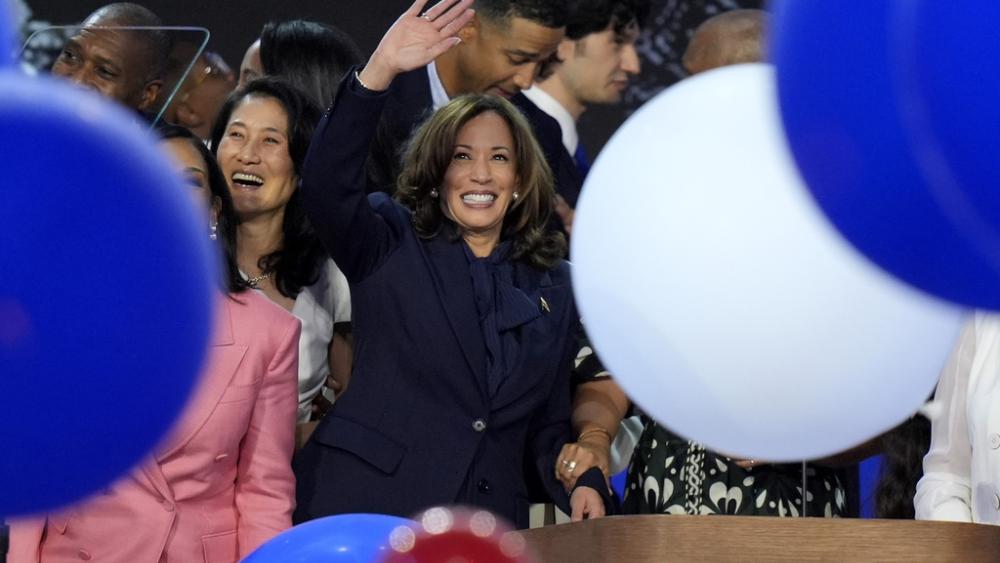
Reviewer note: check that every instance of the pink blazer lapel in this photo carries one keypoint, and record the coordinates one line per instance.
(149, 475)
(224, 357)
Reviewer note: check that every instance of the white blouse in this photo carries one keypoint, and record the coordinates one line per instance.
(961, 479)
(318, 307)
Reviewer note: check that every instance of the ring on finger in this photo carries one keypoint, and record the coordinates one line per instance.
(571, 466)
(425, 17)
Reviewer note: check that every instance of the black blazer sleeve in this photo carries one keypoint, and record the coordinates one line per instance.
(359, 235)
(550, 430)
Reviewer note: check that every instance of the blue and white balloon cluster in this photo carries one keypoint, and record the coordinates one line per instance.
(732, 244)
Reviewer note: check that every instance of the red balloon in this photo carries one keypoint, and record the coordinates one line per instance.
(445, 535)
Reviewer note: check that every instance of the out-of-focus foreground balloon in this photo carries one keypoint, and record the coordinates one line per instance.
(452, 534)
(724, 302)
(889, 113)
(344, 538)
(106, 300)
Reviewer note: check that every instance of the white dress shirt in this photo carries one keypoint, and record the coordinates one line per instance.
(439, 96)
(961, 479)
(548, 104)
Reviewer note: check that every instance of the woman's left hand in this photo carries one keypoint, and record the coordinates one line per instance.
(576, 458)
(586, 504)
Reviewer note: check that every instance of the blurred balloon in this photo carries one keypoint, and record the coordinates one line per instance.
(345, 538)
(106, 299)
(724, 302)
(7, 34)
(452, 535)
(875, 162)
(943, 53)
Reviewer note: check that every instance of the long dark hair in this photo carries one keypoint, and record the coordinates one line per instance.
(296, 264)
(429, 154)
(233, 282)
(311, 56)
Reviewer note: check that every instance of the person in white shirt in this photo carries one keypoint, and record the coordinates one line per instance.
(961, 479)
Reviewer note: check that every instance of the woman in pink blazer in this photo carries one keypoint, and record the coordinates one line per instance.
(221, 483)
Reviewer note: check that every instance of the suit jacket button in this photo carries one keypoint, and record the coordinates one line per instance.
(484, 486)
(167, 505)
(479, 425)
(995, 441)
(83, 554)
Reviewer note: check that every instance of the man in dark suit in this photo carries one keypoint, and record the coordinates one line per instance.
(593, 65)
(501, 51)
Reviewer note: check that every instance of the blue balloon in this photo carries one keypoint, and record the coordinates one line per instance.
(106, 300)
(945, 53)
(839, 84)
(7, 34)
(344, 538)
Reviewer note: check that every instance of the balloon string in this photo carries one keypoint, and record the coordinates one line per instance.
(805, 496)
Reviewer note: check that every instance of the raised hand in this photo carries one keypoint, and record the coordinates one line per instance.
(415, 40)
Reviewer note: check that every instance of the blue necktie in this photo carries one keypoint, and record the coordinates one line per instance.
(581, 160)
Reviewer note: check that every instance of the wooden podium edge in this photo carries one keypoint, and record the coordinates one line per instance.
(759, 538)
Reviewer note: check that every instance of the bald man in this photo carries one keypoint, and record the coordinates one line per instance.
(124, 65)
(726, 39)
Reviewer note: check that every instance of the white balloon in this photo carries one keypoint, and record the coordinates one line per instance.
(723, 301)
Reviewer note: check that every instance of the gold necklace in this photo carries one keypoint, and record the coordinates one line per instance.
(252, 282)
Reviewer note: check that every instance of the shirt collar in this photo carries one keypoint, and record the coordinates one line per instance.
(551, 106)
(439, 96)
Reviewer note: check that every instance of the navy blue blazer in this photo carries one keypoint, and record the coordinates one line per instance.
(409, 102)
(418, 426)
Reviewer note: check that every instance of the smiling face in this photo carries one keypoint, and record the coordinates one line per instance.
(111, 62)
(499, 58)
(481, 178)
(254, 156)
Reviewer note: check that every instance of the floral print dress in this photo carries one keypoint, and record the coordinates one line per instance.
(671, 475)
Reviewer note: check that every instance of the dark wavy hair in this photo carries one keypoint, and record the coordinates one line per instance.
(585, 17)
(429, 153)
(297, 263)
(311, 56)
(233, 282)
(593, 16)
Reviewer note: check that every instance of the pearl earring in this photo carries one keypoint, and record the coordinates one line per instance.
(434, 192)
(213, 230)
(516, 195)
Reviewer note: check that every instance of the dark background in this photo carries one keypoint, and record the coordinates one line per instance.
(235, 24)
